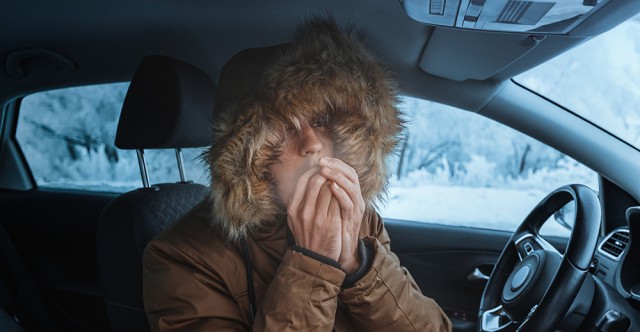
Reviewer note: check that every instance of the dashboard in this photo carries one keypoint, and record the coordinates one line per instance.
(617, 261)
(617, 258)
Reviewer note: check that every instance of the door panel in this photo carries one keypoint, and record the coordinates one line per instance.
(442, 258)
(54, 233)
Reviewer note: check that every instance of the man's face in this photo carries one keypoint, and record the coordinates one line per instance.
(301, 151)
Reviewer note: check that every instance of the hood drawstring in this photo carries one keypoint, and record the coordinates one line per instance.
(249, 269)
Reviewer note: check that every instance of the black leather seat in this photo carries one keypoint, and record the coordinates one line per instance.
(169, 105)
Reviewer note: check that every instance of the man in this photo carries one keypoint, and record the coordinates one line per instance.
(290, 239)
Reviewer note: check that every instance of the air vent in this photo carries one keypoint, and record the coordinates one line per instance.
(615, 243)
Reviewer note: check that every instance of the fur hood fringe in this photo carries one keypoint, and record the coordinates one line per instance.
(323, 73)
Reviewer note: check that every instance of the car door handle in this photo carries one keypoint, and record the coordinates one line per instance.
(477, 276)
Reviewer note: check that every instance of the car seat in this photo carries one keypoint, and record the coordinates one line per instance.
(169, 105)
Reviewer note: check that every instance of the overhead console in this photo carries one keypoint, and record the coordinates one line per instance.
(547, 17)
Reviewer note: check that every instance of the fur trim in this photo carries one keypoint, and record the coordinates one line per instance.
(324, 73)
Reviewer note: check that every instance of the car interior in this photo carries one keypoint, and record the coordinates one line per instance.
(70, 259)
(160, 112)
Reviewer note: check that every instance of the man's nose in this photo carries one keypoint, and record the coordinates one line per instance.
(309, 141)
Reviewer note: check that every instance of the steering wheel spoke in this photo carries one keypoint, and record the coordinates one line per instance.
(528, 243)
(495, 320)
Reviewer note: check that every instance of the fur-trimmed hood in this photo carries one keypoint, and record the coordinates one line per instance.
(323, 73)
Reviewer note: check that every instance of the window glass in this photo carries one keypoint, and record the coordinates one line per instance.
(599, 80)
(458, 168)
(67, 138)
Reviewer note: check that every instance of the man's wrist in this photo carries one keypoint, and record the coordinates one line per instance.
(352, 266)
(366, 258)
(323, 259)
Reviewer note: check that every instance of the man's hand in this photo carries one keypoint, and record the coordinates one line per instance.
(346, 190)
(326, 211)
(313, 215)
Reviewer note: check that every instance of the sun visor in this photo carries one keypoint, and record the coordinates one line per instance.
(453, 54)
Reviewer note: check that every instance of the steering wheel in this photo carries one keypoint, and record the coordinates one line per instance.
(532, 285)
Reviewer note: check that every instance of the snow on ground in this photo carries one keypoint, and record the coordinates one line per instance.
(492, 208)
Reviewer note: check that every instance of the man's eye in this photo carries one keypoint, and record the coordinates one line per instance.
(320, 123)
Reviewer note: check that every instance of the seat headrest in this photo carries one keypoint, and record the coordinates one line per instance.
(169, 104)
(240, 75)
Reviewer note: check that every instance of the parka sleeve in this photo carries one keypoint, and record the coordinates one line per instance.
(303, 296)
(387, 298)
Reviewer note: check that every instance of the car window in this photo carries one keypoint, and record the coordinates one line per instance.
(474, 173)
(456, 167)
(599, 80)
(67, 137)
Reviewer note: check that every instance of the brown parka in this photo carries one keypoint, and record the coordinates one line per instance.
(195, 273)
(195, 281)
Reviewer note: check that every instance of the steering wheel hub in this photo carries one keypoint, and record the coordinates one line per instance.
(520, 278)
(518, 281)
(526, 286)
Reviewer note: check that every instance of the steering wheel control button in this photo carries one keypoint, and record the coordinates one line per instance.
(528, 248)
(613, 321)
(520, 278)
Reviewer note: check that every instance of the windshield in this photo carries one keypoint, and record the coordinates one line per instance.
(599, 80)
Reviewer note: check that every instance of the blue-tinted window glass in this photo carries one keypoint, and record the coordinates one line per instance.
(67, 137)
(459, 168)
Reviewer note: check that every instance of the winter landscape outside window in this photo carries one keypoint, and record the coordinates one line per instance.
(455, 167)
(603, 76)
(67, 137)
(459, 168)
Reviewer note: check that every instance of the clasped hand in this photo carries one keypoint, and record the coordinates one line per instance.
(326, 211)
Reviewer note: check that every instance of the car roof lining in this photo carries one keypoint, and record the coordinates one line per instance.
(109, 41)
